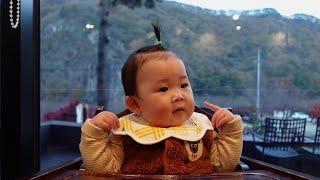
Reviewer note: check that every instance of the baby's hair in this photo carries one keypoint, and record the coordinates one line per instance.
(137, 58)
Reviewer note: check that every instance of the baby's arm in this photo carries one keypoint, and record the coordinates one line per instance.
(101, 152)
(227, 148)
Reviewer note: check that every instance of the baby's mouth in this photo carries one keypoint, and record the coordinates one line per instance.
(178, 110)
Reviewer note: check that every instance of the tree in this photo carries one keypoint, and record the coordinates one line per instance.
(315, 110)
(104, 66)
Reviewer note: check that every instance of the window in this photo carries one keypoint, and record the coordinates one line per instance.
(261, 63)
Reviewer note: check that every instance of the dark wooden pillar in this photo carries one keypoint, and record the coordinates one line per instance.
(19, 127)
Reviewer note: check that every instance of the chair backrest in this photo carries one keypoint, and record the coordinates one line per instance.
(317, 136)
(284, 130)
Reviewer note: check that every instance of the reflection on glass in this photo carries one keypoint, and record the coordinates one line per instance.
(220, 48)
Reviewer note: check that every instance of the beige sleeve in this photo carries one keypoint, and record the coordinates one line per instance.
(100, 153)
(227, 148)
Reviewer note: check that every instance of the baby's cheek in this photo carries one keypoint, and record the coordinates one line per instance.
(191, 104)
(164, 109)
(157, 109)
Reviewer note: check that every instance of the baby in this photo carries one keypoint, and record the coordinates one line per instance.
(163, 134)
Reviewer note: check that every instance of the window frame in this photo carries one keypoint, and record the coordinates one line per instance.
(20, 88)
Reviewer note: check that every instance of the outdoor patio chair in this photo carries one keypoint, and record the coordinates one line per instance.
(280, 136)
(317, 136)
(315, 148)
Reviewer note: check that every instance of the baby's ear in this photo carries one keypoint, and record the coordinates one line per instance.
(132, 104)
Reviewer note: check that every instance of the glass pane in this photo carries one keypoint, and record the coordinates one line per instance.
(261, 63)
(68, 78)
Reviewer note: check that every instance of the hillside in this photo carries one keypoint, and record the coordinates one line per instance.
(220, 60)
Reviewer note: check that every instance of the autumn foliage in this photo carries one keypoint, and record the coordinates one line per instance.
(315, 110)
(65, 113)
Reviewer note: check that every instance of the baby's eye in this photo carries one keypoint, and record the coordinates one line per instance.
(163, 89)
(184, 85)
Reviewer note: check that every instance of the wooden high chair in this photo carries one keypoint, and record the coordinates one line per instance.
(203, 110)
(73, 169)
(258, 169)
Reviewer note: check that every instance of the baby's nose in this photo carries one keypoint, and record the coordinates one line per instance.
(177, 96)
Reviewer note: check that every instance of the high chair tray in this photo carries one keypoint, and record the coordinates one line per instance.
(85, 175)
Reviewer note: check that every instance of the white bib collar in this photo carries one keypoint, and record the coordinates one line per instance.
(192, 130)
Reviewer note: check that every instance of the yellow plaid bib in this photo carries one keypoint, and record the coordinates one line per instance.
(192, 130)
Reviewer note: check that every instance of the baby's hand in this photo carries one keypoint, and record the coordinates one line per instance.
(221, 115)
(106, 120)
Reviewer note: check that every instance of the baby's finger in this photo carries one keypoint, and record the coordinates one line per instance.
(214, 122)
(213, 107)
(105, 126)
(115, 121)
(114, 116)
(108, 115)
(222, 122)
(115, 124)
(219, 114)
(217, 117)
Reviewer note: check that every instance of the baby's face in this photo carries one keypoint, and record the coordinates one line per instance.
(164, 93)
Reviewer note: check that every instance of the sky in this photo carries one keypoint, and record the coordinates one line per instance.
(284, 7)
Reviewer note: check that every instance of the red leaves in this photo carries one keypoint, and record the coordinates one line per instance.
(315, 110)
(65, 113)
